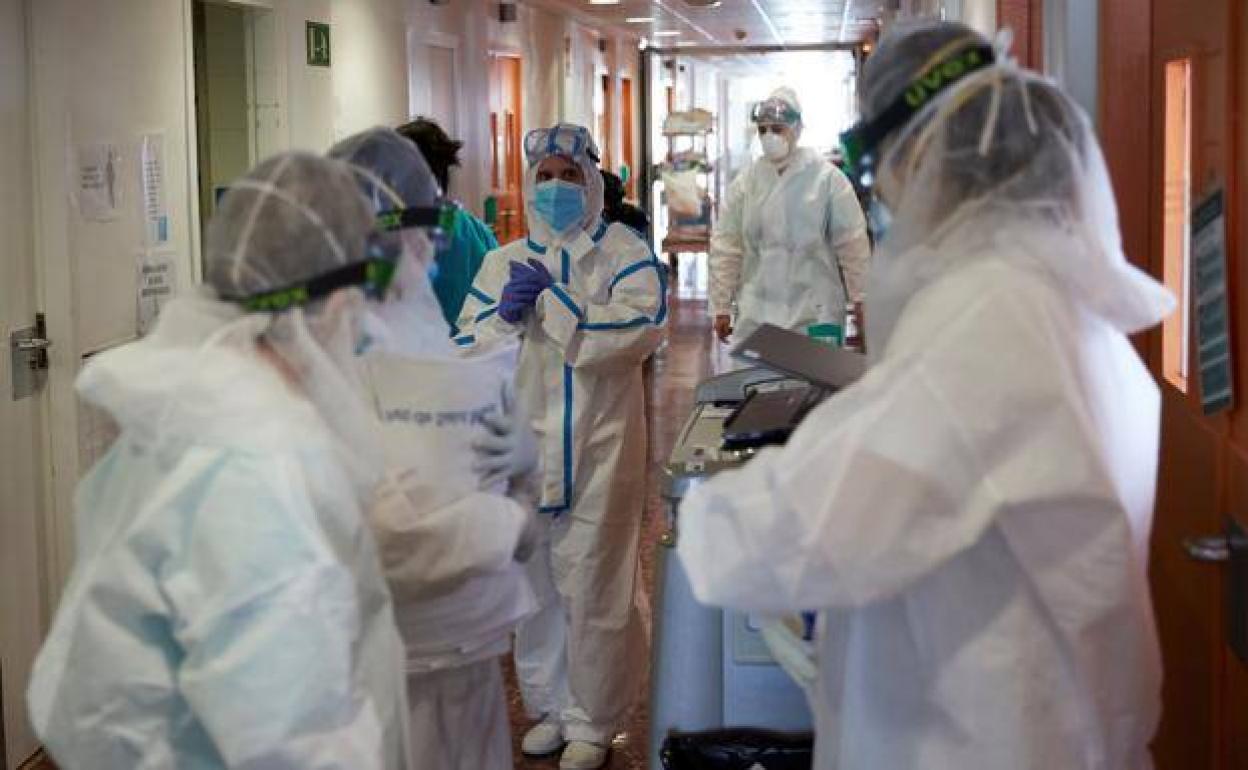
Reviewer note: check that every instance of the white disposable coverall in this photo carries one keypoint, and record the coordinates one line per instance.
(226, 607)
(448, 550)
(447, 546)
(972, 517)
(790, 242)
(580, 379)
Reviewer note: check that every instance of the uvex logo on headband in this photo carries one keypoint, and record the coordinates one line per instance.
(946, 72)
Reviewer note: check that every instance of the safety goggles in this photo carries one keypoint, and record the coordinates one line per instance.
(764, 128)
(774, 112)
(564, 139)
(373, 276)
(438, 223)
(860, 144)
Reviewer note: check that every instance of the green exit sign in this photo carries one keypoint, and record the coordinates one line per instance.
(318, 44)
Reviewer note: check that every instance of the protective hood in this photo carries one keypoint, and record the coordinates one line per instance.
(574, 143)
(198, 378)
(1001, 165)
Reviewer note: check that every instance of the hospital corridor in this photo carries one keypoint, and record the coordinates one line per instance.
(625, 384)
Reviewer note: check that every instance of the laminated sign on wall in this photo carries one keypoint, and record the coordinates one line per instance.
(97, 184)
(1213, 335)
(155, 283)
(155, 205)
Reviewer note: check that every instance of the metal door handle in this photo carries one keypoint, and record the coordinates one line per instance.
(33, 344)
(1212, 548)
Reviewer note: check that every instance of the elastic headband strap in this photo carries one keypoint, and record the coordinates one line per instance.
(373, 275)
(860, 142)
(429, 217)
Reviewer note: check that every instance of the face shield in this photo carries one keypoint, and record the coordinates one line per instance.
(289, 243)
(861, 145)
(403, 194)
(412, 222)
(979, 159)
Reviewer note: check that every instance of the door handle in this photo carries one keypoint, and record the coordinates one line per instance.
(1213, 549)
(28, 358)
(32, 344)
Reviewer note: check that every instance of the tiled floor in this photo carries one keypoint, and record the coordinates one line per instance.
(682, 363)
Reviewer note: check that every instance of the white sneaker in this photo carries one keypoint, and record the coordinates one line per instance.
(581, 755)
(543, 738)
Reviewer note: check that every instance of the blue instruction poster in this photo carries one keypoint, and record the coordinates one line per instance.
(1213, 335)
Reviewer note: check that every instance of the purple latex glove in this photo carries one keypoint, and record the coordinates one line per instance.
(541, 276)
(521, 292)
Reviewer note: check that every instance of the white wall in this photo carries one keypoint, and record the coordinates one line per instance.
(370, 64)
(556, 88)
(309, 90)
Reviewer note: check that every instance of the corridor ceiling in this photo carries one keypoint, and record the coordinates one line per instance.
(674, 23)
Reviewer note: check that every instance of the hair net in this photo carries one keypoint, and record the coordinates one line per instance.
(292, 219)
(1003, 164)
(394, 175)
(573, 142)
(780, 108)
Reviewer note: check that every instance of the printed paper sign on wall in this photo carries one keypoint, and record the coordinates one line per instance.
(1213, 336)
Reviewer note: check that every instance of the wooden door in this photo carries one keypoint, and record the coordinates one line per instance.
(605, 118)
(626, 137)
(506, 148)
(1189, 98)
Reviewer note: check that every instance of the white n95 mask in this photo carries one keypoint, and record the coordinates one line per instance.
(775, 147)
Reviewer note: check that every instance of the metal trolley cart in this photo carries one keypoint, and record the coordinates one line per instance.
(711, 666)
(688, 165)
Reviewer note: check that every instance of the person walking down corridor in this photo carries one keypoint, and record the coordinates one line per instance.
(791, 245)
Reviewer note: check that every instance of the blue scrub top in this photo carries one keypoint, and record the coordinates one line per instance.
(459, 263)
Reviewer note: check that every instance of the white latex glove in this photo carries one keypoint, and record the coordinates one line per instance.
(508, 449)
(530, 536)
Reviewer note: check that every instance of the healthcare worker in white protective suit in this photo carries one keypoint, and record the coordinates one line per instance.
(449, 538)
(589, 302)
(790, 247)
(226, 607)
(972, 517)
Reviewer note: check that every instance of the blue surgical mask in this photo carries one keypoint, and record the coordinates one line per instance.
(560, 204)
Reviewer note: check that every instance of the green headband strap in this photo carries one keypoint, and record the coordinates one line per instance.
(373, 275)
(858, 144)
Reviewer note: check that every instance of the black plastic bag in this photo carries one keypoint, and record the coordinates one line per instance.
(738, 749)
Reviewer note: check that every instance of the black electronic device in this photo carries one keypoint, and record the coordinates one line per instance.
(799, 356)
(769, 416)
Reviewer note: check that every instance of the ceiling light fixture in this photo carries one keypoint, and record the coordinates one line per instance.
(668, 33)
(604, 2)
(639, 20)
